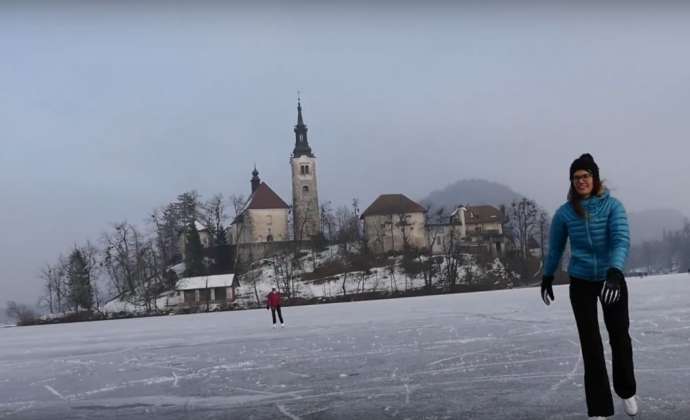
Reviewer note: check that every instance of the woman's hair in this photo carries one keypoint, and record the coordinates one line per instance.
(575, 199)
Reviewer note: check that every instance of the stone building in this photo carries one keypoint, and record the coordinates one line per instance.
(392, 222)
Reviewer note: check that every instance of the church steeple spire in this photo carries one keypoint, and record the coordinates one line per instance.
(301, 143)
(300, 122)
(256, 181)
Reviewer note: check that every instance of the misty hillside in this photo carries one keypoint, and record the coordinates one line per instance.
(649, 225)
(471, 191)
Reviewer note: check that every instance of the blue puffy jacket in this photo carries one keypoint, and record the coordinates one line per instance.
(598, 241)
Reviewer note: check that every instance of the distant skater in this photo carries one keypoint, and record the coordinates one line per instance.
(273, 303)
(597, 227)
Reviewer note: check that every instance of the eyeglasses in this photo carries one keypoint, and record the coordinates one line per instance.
(585, 177)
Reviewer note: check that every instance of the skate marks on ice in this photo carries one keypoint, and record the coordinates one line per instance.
(476, 356)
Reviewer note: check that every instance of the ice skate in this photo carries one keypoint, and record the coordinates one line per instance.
(630, 406)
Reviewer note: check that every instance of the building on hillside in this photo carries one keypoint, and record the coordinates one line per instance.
(264, 217)
(392, 222)
(202, 290)
(445, 236)
(482, 219)
(306, 221)
(483, 227)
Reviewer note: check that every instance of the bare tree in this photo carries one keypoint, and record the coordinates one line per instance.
(284, 267)
(54, 286)
(429, 265)
(21, 313)
(346, 226)
(328, 221)
(523, 221)
(133, 266)
(240, 225)
(48, 298)
(214, 216)
(543, 221)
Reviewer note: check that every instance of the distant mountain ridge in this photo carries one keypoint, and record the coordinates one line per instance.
(471, 191)
(647, 225)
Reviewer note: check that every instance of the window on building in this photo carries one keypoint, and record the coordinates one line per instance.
(304, 169)
(269, 220)
(305, 189)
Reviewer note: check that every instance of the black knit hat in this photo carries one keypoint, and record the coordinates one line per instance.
(586, 162)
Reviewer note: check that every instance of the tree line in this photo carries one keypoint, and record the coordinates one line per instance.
(671, 253)
(133, 262)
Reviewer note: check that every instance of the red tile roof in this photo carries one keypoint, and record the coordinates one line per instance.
(388, 204)
(483, 214)
(265, 198)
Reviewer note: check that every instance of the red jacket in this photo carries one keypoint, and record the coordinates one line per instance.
(273, 300)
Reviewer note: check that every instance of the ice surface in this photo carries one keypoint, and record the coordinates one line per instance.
(489, 355)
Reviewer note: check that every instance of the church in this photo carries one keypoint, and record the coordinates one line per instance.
(266, 217)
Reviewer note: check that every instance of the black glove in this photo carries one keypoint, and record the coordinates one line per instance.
(546, 289)
(611, 292)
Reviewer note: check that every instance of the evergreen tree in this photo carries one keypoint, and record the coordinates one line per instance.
(194, 253)
(79, 281)
(187, 206)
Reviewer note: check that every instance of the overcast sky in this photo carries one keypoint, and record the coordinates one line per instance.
(107, 112)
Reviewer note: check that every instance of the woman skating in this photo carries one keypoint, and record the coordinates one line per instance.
(597, 227)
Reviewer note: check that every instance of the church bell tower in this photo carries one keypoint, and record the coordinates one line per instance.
(305, 201)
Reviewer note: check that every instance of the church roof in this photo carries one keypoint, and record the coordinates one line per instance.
(387, 204)
(263, 198)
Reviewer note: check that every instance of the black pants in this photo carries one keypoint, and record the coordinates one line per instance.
(280, 316)
(583, 297)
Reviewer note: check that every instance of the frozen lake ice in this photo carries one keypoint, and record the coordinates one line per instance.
(489, 355)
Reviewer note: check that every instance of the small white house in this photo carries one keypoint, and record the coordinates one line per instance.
(202, 290)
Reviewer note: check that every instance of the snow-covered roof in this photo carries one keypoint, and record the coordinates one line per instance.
(178, 268)
(205, 282)
(199, 227)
